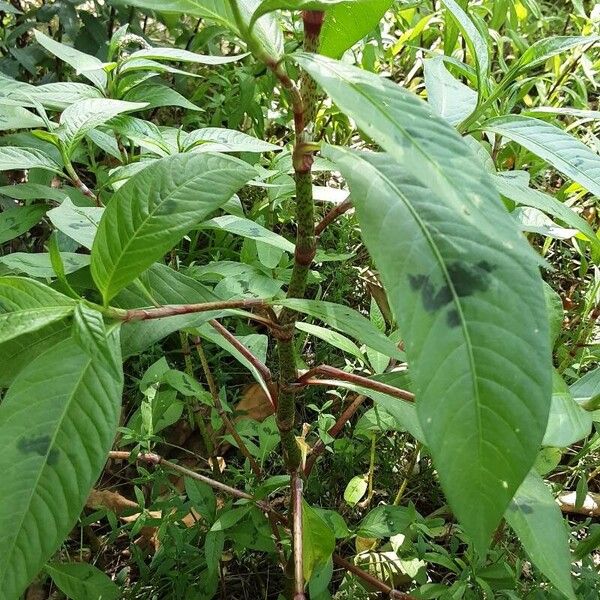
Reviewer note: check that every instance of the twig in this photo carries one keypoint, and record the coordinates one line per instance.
(308, 379)
(297, 488)
(142, 314)
(214, 392)
(371, 580)
(332, 215)
(254, 360)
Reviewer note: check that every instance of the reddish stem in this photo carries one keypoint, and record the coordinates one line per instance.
(332, 215)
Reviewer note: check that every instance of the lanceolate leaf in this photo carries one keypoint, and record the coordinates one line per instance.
(82, 581)
(216, 139)
(537, 520)
(150, 213)
(14, 157)
(16, 117)
(57, 423)
(27, 305)
(89, 66)
(78, 222)
(81, 117)
(176, 54)
(16, 221)
(561, 150)
(477, 44)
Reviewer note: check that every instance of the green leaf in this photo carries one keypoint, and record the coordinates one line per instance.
(537, 520)
(84, 64)
(33, 191)
(561, 150)
(150, 213)
(59, 95)
(178, 55)
(229, 517)
(213, 548)
(478, 46)
(556, 312)
(80, 223)
(202, 497)
(510, 186)
(386, 521)
(15, 158)
(318, 540)
(83, 116)
(39, 265)
(27, 306)
(267, 6)
(356, 489)
(589, 544)
(461, 281)
(586, 391)
(216, 139)
(266, 29)
(16, 117)
(450, 99)
(568, 422)
(57, 423)
(16, 221)
(346, 320)
(155, 95)
(541, 50)
(349, 23)
(81, 581)
(332, 337)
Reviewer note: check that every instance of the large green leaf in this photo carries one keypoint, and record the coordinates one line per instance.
(348, 23)
(16, 117)
(80, 223)
(537, 520)
(85, 64)
(266, 29)
(150, 213)
(27, 306)
(457, 286)
(564, 152)
(83, 116)
(318, 540)
(57, 423)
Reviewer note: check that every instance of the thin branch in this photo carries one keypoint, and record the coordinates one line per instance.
(254, 360)
(297, 488)
(142, 314)
(76, 181)
(229, 426)
(332, 215)
(308, 378)
(371, 580)
(335, 430)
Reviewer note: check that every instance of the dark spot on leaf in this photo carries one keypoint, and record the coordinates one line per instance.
(522, 506)
(453, 318)
(38, 445)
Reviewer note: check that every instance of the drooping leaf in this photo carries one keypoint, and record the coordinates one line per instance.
(318, 540)
(349, 22)
(216, 139)
(561, 150)
(84, 64)
(16, 117)
(82, 581)
(80, 223)
(14, 157)
(179, 55)
(155, 95)
(537, 520)
(332, 337)
(568, 423)
(510, 186)
(16, 221)
(266, 29)
(150, 213)
(347, 320)
(449, 98)
(83, 116)
(57, 423)
(27, 306)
